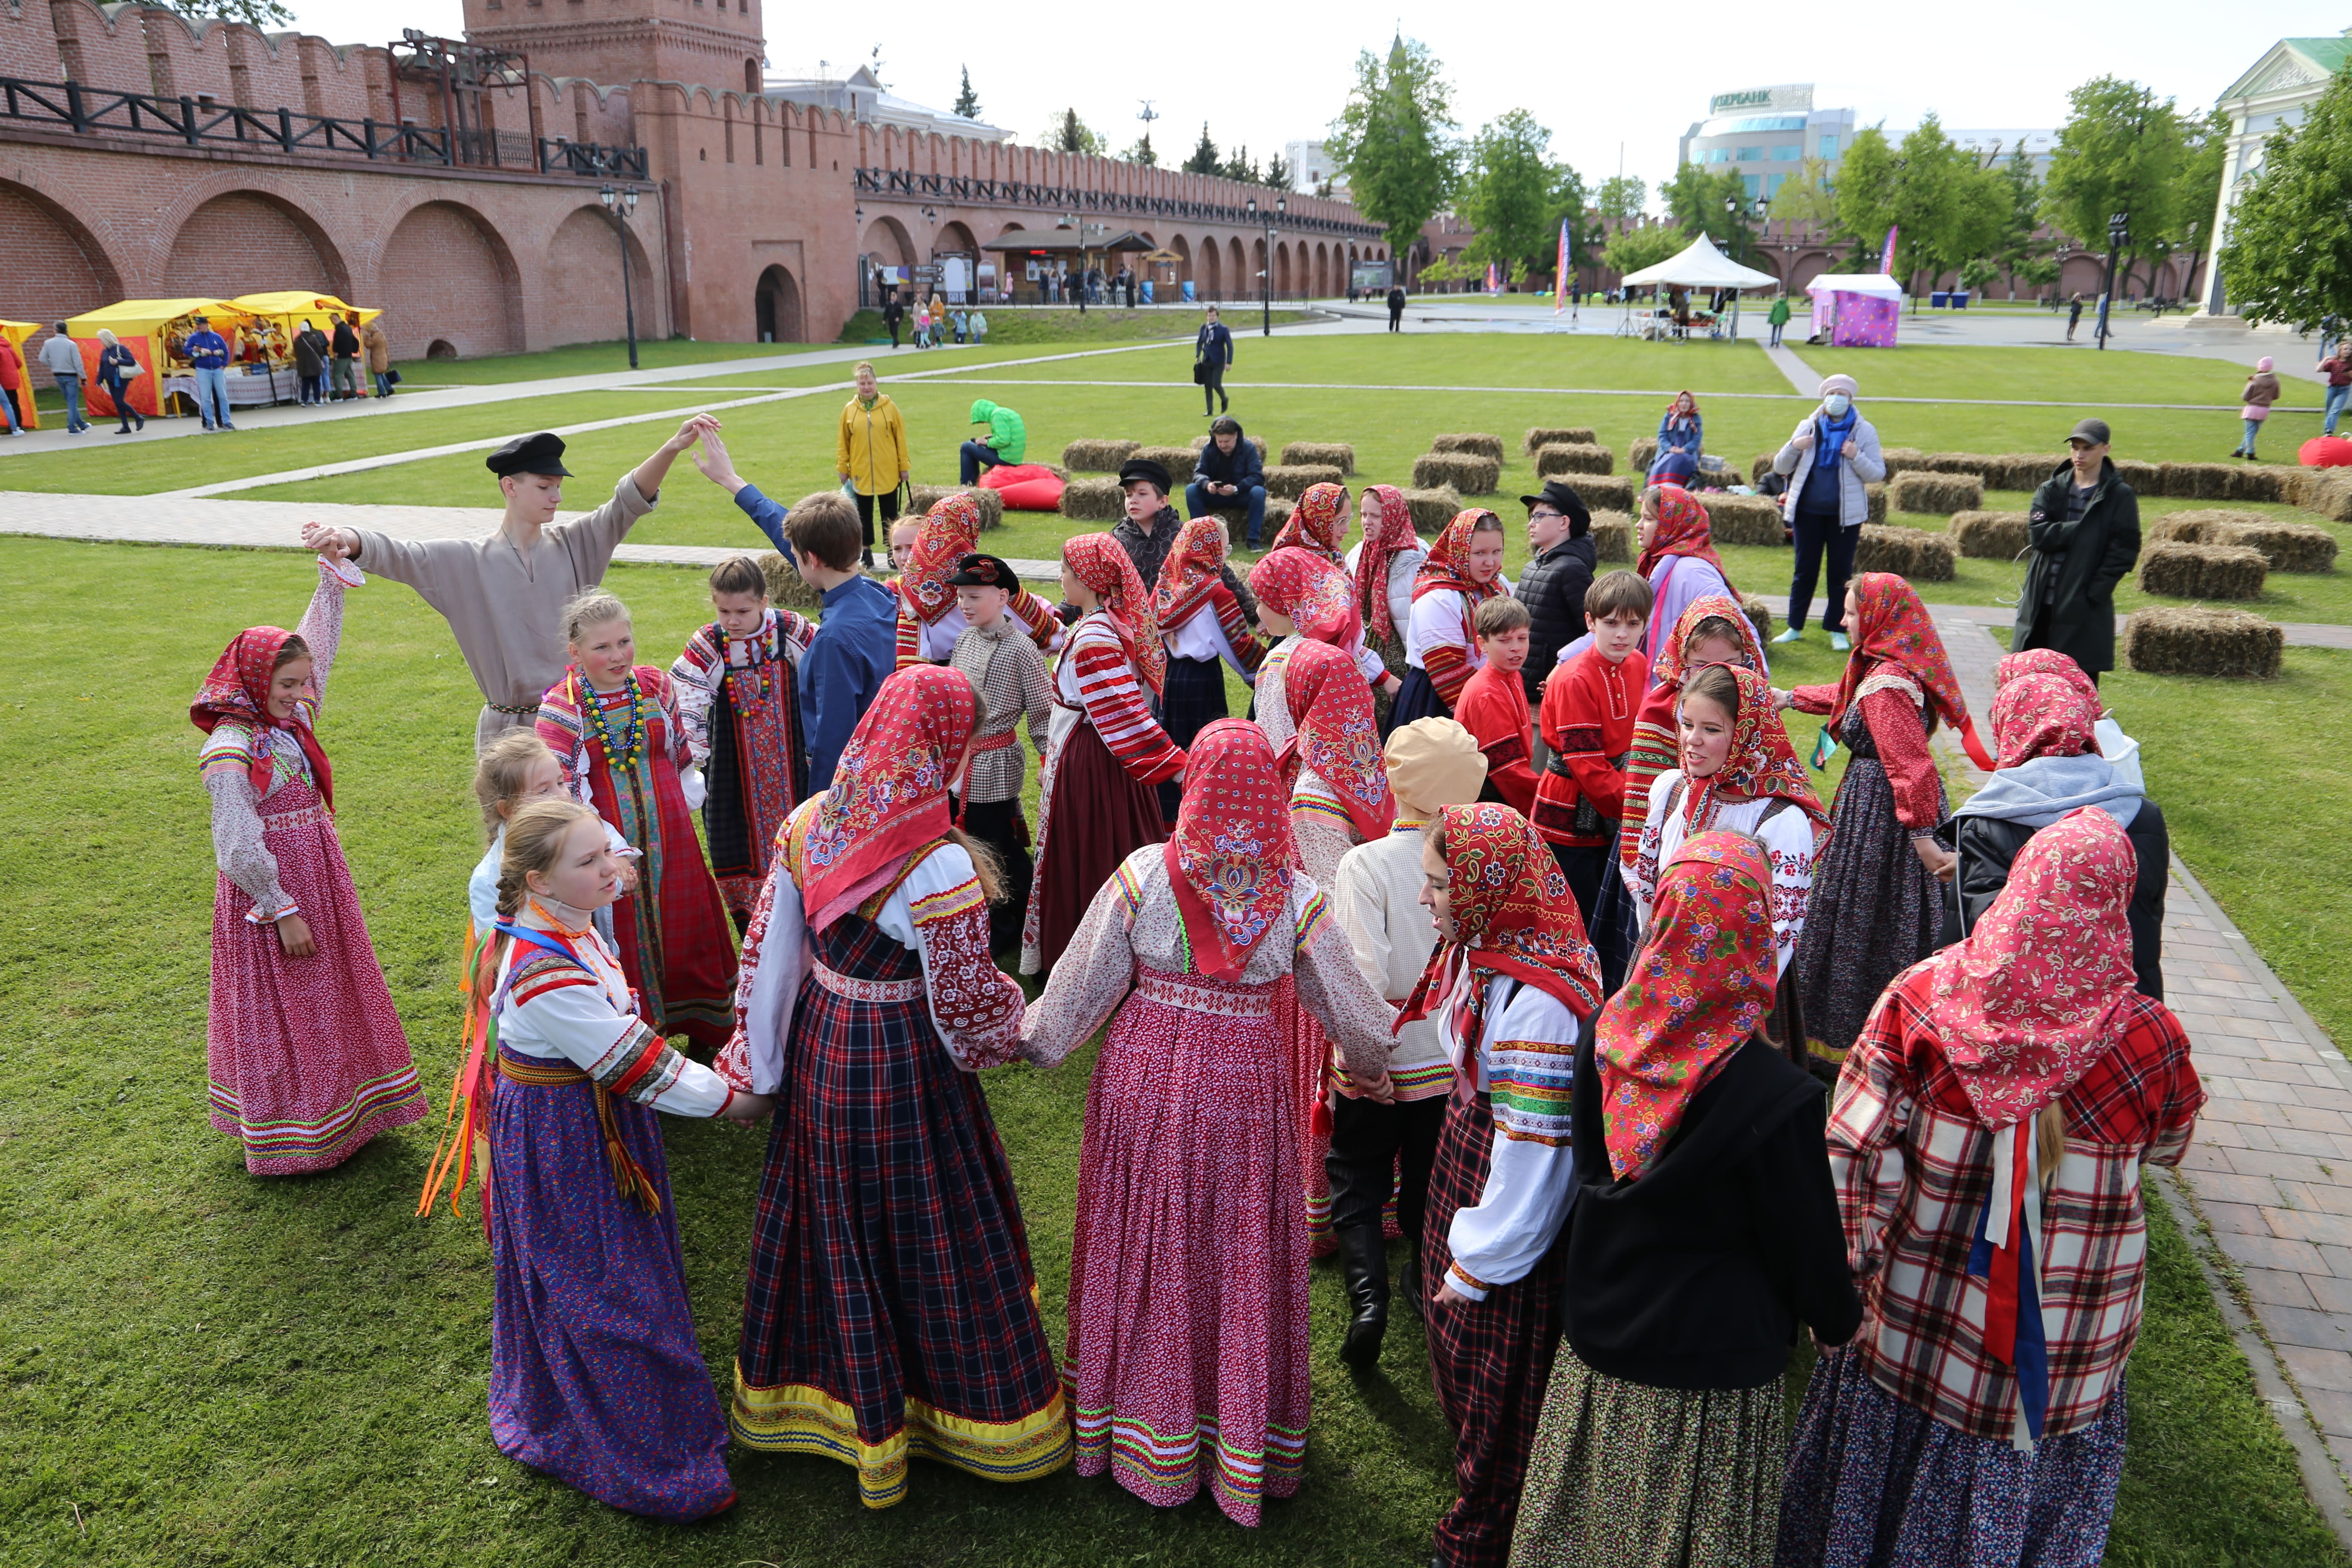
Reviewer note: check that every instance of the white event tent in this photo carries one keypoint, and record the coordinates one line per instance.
(1702, 266)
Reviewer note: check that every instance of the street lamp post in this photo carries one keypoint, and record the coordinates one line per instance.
(1266, 274)
(622, 206)
(2118, 235)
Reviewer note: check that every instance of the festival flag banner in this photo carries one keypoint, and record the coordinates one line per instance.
(1887, 257)
(1560, 273)
(1494, 278)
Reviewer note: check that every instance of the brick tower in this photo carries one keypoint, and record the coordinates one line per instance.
(719, 43)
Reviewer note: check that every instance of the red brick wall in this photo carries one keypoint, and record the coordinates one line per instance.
(450, 280)
(49, 274)
(245, 244)
(583, 273)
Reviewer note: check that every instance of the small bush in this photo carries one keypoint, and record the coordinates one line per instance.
(1290, 481)
(1565, 457)
(1177, 461)
(1990, 535)
(1473, 475)
(1606, 493)
(1333, 454)
(2202, 570)
(1612, 536)
(2193, 640)
(1093, 501)
(1741, 520)
(1759, 616)
(1477, 446)
(1432, 506)
(787, 589)
(1936, 495)
(1544, 435)
(1097, 457)
(1258, 441)
(1914, 553)
(992, 502)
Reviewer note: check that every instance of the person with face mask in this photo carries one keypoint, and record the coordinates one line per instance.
(1829, 460)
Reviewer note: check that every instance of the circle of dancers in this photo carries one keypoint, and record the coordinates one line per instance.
(1506, 938)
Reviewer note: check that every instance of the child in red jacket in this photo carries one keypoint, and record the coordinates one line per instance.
(1587, 722)
(1494, 704)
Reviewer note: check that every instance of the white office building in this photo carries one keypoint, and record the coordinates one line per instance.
(1310, 167)
(1994, 148)
(859, 96)
(1765, 133)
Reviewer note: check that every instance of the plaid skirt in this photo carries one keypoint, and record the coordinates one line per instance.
(891, 1309)
(1192, 699)
(1490, 1360)
(1874, 914)
(1096, 817)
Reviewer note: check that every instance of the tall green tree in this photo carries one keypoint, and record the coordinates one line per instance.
(967, 102)
(1507, 194)
(1569, 201)
(1141, 152)
(1865, 193)
(1394, 140)
(1631, 249)
(2289, 255)
(1241, 167)
(1804, 196)
(2120, 151)
(1204, 159)
(1621, 196)
(1278, 173)
(2019, 245)
(1716, 205)
(1071, 134)
(1950, 209)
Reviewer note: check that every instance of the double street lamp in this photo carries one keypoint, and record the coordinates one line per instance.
(2118, 235)
(622, 206)
(1265, 275)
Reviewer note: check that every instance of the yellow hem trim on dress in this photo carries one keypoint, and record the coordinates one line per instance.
(1826, 1054)
(795, 1418)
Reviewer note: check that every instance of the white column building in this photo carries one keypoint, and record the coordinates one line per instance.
(2282, 85)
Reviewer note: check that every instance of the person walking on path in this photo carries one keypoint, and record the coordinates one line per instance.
(870, 453)
(63, 356)
(2082, 527)
(2337, 368)
(12, 377)
(117, 368)
(2262, 389)
(503, 592)
(207, 353)
(345, 365)
(1007, 440)
(379, 356)
(894, 316)
(2073, 316)
(1778, 316)
(1213, 351)
(1396, 307)
(1829, 460)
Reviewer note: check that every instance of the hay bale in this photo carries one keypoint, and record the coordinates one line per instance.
(2195, 482)
(1476, 445)
(1291, 481)
(1917, 554)
(1612, 536)
(2198, 525)
(1902, 459)
(1543, 436)
(2019, 471)
(2287, 546)
(1759, 616)
(1277, 513)
(2266, 482)
(992, 502)
(2193, 640)
(1472, 475)
(1432, 506)
(2202, 570)
(1876, 495)
(787, 589)
(1605, 492)
(1936, 494)
(2328, 492)
(1761, 466)
(1093, 501)
(1643, 452)
(1741, 520)
(1990, 535)
(2144, 478)
(1097, 457)
(1333, 454)
(1574, 458)
(1177, 461)
(1198, 442)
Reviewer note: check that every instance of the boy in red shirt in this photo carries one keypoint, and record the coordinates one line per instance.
(1587, 722)
(1494, 704)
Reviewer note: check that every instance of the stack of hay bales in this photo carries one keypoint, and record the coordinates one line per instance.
(1093, 501)
(1936, 495)
(1291, 481)
(1257, 441)
(1543, 436)
(1612, 536)
(1741, 520)
(1179, 461)
(2287, 546)
(2202, 570)
(1911, 552)
(1097, 457)
(992, 502)
(1606, 492)
(1432, 506)
(1573, 457)
(2198, 641)
(1759, 616)
(1990, 535)
(1902, 461)
(1466, 471)
(2196, 481)
(787, 589)
(1476, 445)
(1338, 455)
(1277, 513)
(2328, 492)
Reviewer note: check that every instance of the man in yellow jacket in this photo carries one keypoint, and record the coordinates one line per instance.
(870, 455)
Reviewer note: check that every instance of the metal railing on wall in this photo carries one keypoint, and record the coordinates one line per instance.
(197, 123)
(972, 190)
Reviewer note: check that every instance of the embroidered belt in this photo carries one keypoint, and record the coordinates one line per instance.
(995, 742)
(502, 707)
(545, 1073)
(315, 812)
(1558, 765)
(631, 1179)
(866, 990)
(1252, 1001)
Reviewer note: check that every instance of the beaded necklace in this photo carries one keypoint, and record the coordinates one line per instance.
(756, 659)
(628, 749)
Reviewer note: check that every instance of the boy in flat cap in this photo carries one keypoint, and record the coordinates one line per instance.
(503, 593)
(995, 653)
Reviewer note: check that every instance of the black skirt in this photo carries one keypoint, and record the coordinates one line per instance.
(1191, 698)
(1417, 698)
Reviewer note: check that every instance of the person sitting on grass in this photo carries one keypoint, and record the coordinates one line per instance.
(1007, 440)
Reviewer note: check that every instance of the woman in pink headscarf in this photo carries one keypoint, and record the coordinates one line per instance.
(2262, 391)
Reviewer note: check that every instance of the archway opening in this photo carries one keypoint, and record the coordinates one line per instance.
(778, 307)
(441, 348)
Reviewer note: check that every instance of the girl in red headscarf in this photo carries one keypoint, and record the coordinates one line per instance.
(1319, 524)
(929, 619)
(886, 1214)
(1988, 1144)
(1465, 570)
(1877, 902)
(1705, 1233)
(1383, 564)
(1516, 984)
(1107, 752)
(1187, 1345)
(1203, 628)
(305, 1057)
(1679, 560)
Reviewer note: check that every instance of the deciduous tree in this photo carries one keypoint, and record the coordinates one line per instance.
(1621, 196)
(1507, 191)
(1631, 249)
(2120, 151)
(1866, 192)
(1394, 140)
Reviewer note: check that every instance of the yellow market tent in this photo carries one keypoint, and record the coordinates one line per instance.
(279, 315)
(154, 331)
(16, 332)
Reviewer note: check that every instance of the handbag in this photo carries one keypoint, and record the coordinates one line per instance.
(392, 378)
(1200, 373)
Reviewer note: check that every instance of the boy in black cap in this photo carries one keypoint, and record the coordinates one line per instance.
(503, 592)
(1562, 560)
(1004, 666)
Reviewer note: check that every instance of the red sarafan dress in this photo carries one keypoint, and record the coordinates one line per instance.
(620, 753)
(305, 1057)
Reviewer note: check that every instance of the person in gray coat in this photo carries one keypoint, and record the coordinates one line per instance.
(1829, 460)
(2082, 531)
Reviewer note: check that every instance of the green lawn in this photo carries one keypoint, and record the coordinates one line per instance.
(2056, 374)
(1031, 324)
(583, 359)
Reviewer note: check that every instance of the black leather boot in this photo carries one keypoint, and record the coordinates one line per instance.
(1409, 1283)
(1364, 1265)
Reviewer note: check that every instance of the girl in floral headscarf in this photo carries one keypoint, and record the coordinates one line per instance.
(1464, 568)
(1679, 560)
(1203, 629)
(1680, 429)
(306, 1059)
(1318, 523)
(929, 619)
(1988, 1145)
(1382, 564)
(1107, 751)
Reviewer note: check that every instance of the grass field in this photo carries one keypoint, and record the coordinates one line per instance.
(1030, 324)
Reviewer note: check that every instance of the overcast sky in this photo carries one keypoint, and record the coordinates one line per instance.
(1268, 73)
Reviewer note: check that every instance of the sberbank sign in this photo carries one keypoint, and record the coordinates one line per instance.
(1758, 98)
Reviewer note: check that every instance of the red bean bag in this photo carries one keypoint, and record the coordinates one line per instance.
(1025, 487)
(2319, 452)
